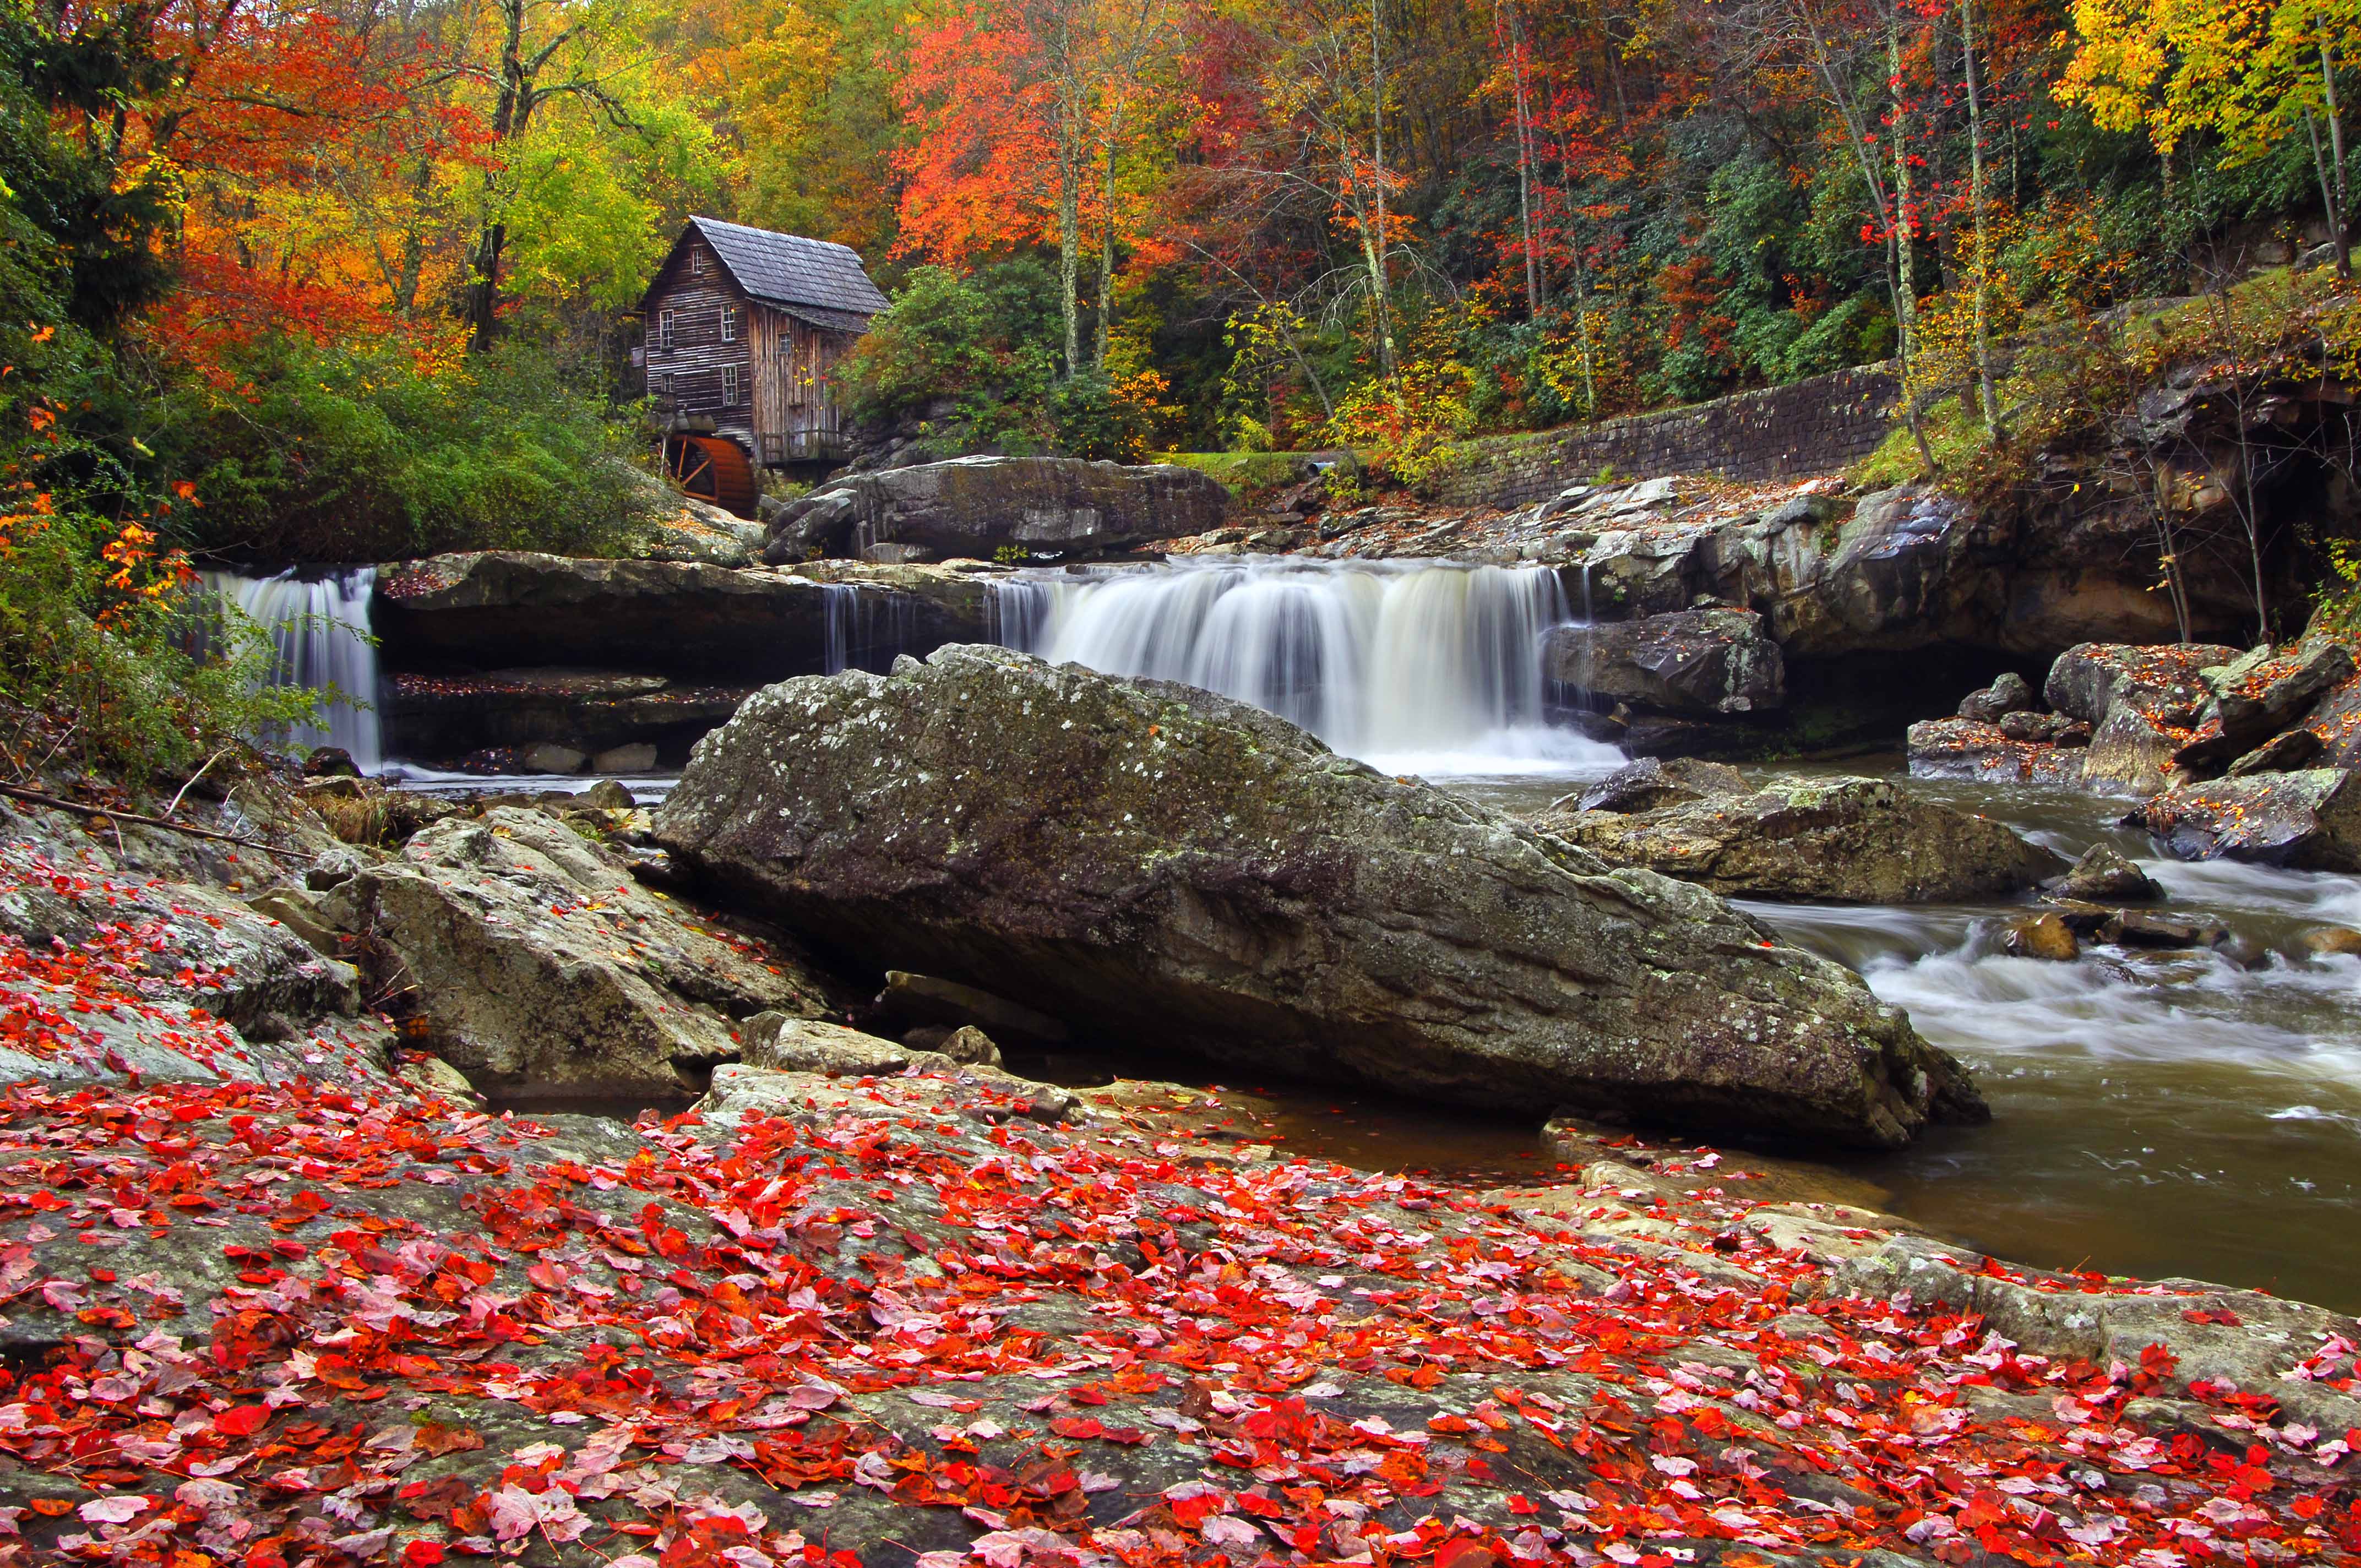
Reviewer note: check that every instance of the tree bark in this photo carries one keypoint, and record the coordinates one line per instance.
(1990, 393)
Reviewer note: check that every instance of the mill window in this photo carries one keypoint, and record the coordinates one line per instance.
(663, 330)
(730, 386)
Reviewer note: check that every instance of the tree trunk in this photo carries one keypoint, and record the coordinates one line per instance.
(2333, 187)
(1991, 394)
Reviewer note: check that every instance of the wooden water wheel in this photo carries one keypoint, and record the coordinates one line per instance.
(712, 469)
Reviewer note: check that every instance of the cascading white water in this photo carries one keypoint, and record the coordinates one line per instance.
(1421, 665)
(320, 626)
(865, 628)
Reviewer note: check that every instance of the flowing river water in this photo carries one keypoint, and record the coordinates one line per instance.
(2154, 1114)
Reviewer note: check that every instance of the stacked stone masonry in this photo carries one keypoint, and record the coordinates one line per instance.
(1809, 427)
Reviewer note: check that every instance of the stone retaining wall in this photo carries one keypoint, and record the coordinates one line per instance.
(1809, 427)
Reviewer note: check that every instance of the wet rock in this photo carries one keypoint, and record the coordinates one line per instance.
(2011, 693)
(2142, 928)
(2082, 919)
(1167, 868)
(330, 761)
(2103, 875)
(974, 507)
(1696, 662)
(547, 757)
(1968, 749)
(636, 758)
(1851, 840)
(432, 1075)
(533, 958)
(2307, 821)
(2285, 753)
(928, 999)
(2077, 734)
(1654, 781)
(2041, 937)
(2327, 940)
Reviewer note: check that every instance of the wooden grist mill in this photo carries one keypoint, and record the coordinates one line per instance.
(745, 328)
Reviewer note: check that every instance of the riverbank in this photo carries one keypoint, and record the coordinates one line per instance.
(344, 1317)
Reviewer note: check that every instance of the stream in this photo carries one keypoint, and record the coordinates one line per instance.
(2154, 1114)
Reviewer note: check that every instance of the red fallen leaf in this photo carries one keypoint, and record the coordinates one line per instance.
(1077, 1426)
(2306, 1508)
(436, 1440)
(2222, 1315)
(1520, 1504)
(421, 1554)
(241, 1421)
(1461, 1553)
(51, 1507)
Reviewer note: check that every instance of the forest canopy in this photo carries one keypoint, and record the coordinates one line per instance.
(359, 275)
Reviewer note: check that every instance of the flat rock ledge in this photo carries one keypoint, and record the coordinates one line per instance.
(1165, 869)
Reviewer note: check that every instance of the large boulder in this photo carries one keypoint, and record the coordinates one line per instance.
(1849, 840)
(2164, 681)
(499, 610)
(2309, 821)
(2143, 702)
(2256, 696)
(978, 507)
(533, 960)
(1693, 662)
(1172, 871)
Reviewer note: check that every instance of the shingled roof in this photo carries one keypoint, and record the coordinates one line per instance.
(813, 279)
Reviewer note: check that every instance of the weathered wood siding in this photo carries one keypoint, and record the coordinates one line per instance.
(796, 412)
(696, 289)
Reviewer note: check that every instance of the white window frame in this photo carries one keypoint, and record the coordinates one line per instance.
(664, 329)
(729, 324)
(730, 386)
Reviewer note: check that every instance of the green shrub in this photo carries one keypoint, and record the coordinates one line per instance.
(94, 632)
(359, 453)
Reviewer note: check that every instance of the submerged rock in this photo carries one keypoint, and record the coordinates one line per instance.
(2041, 937)
(1654, 782)
(1849, 840)
(1698, 662)
(1165, 869)
(2101, 875)
(2306, 821)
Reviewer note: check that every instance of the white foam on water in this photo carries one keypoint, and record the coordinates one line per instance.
(1416, 667)
(319, 625)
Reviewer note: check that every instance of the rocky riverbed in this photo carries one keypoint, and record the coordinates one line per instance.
(278, 1290)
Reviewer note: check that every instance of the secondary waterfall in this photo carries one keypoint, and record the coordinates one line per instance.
(865, 628)
(320, 626)
(1425, 666)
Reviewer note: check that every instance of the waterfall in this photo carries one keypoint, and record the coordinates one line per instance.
(1424, 665)
(865, 628)
(319, 627)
